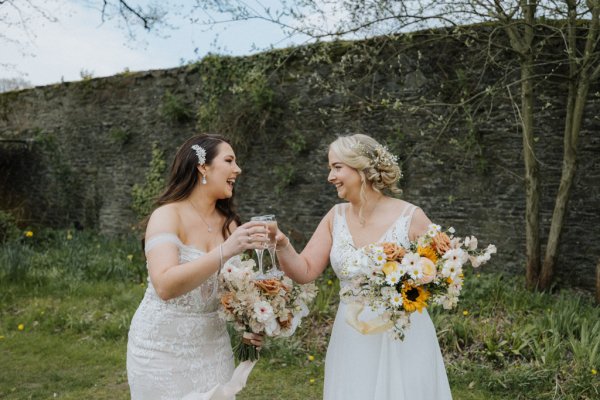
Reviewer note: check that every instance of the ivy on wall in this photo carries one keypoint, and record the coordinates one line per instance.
(174, 108)
(235, 97)
(144, 195)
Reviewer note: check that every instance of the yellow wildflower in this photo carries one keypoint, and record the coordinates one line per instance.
(311, 358)
(29, 234)
(312, 380)
(465, 313)
(1, 337)
(130, 257)
(69, 235)
(330, 282)
(594, 372)
(21, 327)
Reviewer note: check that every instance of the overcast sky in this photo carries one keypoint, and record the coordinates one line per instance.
(51, 52)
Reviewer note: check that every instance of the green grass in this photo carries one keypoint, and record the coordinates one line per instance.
(75, 293)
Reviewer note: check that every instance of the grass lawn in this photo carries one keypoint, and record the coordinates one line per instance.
(65, 309)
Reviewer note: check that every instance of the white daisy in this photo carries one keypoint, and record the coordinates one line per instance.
(393, 278)
(396, 300)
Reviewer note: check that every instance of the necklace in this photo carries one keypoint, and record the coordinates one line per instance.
(363, 221)
(201, 217)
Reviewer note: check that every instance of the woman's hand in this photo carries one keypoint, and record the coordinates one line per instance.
(249, 236)
(281, 240)
(254, 339)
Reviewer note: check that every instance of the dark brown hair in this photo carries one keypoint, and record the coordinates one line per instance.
(184, 177)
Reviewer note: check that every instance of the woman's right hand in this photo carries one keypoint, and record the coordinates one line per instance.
(281, 240)
(249, 236)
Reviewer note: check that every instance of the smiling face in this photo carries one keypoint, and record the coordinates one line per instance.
(222, 172)
(346, 179)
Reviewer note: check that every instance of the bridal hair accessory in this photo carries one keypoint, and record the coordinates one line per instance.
(200, 153)
(379, 155)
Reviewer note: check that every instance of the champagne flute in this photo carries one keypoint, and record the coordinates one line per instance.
(272, 244)
(259, 251)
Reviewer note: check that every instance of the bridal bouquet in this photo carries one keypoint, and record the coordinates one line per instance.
(273, 306)
(395, 281)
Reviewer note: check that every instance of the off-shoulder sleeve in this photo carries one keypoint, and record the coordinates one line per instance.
(161, 238)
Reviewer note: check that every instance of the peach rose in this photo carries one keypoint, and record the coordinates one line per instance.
(271, 286)
(393, 252)
(226, 300)
(429, 270)
(441, 242)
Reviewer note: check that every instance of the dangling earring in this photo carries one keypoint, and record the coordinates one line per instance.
(203, 180)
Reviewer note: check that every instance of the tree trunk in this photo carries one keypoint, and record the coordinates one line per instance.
(532, 191)
(564, 190)
(579, 83)
(532, 185)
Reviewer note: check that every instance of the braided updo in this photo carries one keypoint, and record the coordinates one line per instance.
(375, 164)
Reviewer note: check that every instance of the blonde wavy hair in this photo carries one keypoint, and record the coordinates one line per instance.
(375, 164)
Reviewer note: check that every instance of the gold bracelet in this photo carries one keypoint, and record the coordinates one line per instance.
(286, 245)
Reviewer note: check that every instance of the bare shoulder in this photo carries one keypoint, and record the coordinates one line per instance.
(328, 218)
(418, 224)
(165, 218)
(397, 204)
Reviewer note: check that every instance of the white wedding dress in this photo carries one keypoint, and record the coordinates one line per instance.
(180, 348)
(378, 367)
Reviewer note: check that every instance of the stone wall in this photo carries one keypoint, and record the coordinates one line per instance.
(92, 142)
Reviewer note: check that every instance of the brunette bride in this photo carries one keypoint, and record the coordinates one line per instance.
(178, 347)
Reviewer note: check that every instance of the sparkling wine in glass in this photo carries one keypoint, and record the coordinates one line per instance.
(259, 251)
(272, 244)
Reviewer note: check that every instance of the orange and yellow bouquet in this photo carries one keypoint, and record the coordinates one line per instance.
(395, 281)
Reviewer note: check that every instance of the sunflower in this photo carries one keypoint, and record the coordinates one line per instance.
(414, 298)
(427, 252)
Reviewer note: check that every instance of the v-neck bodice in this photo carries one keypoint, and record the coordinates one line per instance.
(343, 244)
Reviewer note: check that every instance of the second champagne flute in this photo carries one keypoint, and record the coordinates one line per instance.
(259, 251)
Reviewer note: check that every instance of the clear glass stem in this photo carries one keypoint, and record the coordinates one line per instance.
(259, 256)
(273, 255)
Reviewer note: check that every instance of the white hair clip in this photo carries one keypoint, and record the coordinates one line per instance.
(201, 153)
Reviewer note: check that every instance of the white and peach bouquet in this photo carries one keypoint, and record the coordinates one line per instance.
(394, 281)
(273, 306)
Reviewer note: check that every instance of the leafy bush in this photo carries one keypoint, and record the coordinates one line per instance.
(8, 227)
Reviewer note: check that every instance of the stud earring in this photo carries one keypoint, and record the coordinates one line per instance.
(203, 180)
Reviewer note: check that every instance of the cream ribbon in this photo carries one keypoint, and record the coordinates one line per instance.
(371, 327)
(226, 391)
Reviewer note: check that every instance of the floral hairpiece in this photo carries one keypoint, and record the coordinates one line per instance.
(379, 156)
(200, 153)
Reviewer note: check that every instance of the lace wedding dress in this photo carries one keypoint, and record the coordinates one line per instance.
(377, 367)
(180, 348)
